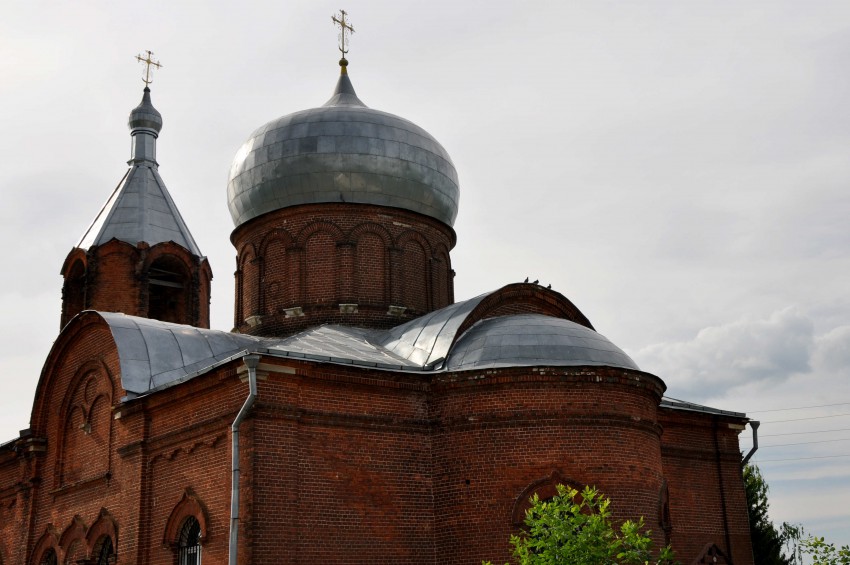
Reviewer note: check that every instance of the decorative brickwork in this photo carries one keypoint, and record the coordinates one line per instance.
(316, 257)
(164, 282)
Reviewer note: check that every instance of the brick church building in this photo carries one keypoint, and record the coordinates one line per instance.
(356, 413)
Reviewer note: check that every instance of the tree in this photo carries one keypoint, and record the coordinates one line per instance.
(825, 553)
(564, 530)
(767, 541)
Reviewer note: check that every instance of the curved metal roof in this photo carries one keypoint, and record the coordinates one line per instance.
(155, 355)
(342, 152)
(525, 340)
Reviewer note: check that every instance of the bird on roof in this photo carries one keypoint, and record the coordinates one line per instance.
(526, 279)
(535, 282)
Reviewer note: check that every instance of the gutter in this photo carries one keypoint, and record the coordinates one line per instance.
(754, 424)
(251, 362)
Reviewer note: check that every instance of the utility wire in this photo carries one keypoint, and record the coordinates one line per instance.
(760, 461)
(809, 418)
(798, 408)
(804, 443)
(804, 433)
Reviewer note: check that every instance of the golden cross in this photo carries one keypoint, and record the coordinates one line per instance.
(343, 25)
(148, 63)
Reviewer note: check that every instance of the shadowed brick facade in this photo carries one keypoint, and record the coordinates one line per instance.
(391, 425)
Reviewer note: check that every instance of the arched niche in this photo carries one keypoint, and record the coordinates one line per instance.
(169, 290)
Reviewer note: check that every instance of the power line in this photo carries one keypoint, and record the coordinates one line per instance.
(809, 418)
(804, 433)
(798, 408)
(804, 443)
(801, 458)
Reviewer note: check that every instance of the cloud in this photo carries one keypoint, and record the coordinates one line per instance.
(721, 358)
(832, 351)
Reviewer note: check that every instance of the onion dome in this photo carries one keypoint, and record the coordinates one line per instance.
(145, 116)
(342, 151)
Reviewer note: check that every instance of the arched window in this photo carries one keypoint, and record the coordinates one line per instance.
(49, 558)
(189, 544)
(105, 553)
(168, 291)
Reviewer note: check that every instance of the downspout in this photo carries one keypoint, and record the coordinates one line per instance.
(754, 424)
(251, 361)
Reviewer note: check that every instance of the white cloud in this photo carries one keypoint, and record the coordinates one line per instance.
(721, 358)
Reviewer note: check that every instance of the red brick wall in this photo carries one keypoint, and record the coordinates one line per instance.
(354, 466)
(319, 256)
(700, 454)
(115, 279)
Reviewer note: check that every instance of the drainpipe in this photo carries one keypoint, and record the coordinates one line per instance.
(251, 361)
(754, 424)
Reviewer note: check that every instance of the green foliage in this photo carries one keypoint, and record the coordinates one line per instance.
(823, 553)
(767, 541)
(563, 531)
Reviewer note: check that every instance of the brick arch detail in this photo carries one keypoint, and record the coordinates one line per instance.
(409, 235)
(75, 531)
(370, 227)
(319, 226)
(67, 341)
(188, 506)
(521, 298)
(48, 540)
(170, 249)
(546, 487)
(277, 234)
(115, 246)
(104, 526)
(247, 254)
(100, 372)
(712, 554)
(75, 255)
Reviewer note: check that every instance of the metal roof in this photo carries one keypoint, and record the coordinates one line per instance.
(676, 404)
(526, 340)
(141, 208)
(342, 152)
(154, 354)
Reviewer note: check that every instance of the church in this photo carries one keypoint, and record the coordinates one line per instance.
(356, 413)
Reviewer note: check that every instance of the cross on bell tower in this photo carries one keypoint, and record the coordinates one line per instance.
(343, 27)
(148, 64)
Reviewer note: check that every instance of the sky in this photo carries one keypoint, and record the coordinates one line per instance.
(679, 170)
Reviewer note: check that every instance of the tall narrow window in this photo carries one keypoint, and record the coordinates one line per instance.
(106, 553)
(49, 558)
(189, 548)
(168, 291)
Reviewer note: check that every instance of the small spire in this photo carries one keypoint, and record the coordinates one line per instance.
(148, 64)
(343, 44)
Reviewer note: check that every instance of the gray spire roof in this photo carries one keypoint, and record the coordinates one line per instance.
(140, 208)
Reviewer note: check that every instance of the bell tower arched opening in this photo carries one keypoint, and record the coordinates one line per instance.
(169, 291)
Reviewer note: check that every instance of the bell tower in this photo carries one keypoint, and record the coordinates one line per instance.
(138, 256)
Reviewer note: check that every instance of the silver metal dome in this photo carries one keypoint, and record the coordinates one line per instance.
(342, 152)
(527, 340)
(145, 116)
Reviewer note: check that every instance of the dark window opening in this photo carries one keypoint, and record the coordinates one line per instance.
(168, 294)
(106, 554)
(74, 293)
(189, 546)
(49, 558)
